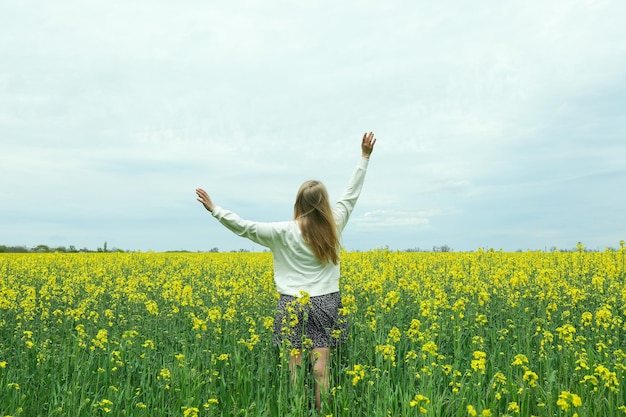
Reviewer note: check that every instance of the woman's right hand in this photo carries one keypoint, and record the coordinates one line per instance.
(204, 198)
(367, 144)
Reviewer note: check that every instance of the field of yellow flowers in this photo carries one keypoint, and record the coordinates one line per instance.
(485, 333)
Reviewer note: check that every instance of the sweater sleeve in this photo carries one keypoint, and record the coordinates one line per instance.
(343, 207)
(261, 233)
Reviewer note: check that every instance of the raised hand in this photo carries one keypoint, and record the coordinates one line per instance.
(204, 198)
(367, 144)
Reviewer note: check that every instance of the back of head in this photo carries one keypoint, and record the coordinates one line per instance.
(314, 215)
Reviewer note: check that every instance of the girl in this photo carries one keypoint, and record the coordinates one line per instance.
(306, 262)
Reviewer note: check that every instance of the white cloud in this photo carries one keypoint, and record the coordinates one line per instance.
(390, 219)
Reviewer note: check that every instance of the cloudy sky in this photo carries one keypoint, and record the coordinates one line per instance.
(500, 124)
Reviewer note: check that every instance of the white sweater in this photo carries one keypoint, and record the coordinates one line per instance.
(296, 268)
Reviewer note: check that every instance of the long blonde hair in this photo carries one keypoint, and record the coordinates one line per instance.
(315, 217)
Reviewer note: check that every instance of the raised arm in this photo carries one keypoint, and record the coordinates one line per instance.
(345, 205)
(261, 233)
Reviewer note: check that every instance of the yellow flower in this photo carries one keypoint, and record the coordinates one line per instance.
(513, 407)
(431, 348)
(566, 399)
(336, 334)
(479, 361)
(531, 378)
(391, 300)
(268, 322)
(304, 298)
(566, 332)
(519, 360)
(498, 378)
(190, 412)
(357, 373)
(372, 324)
(420, 401)
(198, 324)
(414, 330)
(388, 352)
(604, 317)
(210, 402)
(608, 377)
(105, 405)
(576, 400)
(164, 374)
(394, 334)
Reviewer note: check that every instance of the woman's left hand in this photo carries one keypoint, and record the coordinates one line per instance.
(367, 144)
(204, 198)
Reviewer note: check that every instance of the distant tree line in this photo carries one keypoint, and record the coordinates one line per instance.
(579, 248)
(442, 248)
(73, 249)
(46, 249)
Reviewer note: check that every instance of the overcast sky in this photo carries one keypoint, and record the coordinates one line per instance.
(500, 124)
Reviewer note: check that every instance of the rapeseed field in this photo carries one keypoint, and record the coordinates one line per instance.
(485, 333)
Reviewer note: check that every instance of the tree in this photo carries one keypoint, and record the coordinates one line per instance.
(415, 249)
(41, 248)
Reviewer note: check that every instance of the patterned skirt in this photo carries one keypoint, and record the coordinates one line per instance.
(312, 322)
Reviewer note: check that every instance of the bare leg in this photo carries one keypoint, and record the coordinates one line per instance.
(320, 357)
